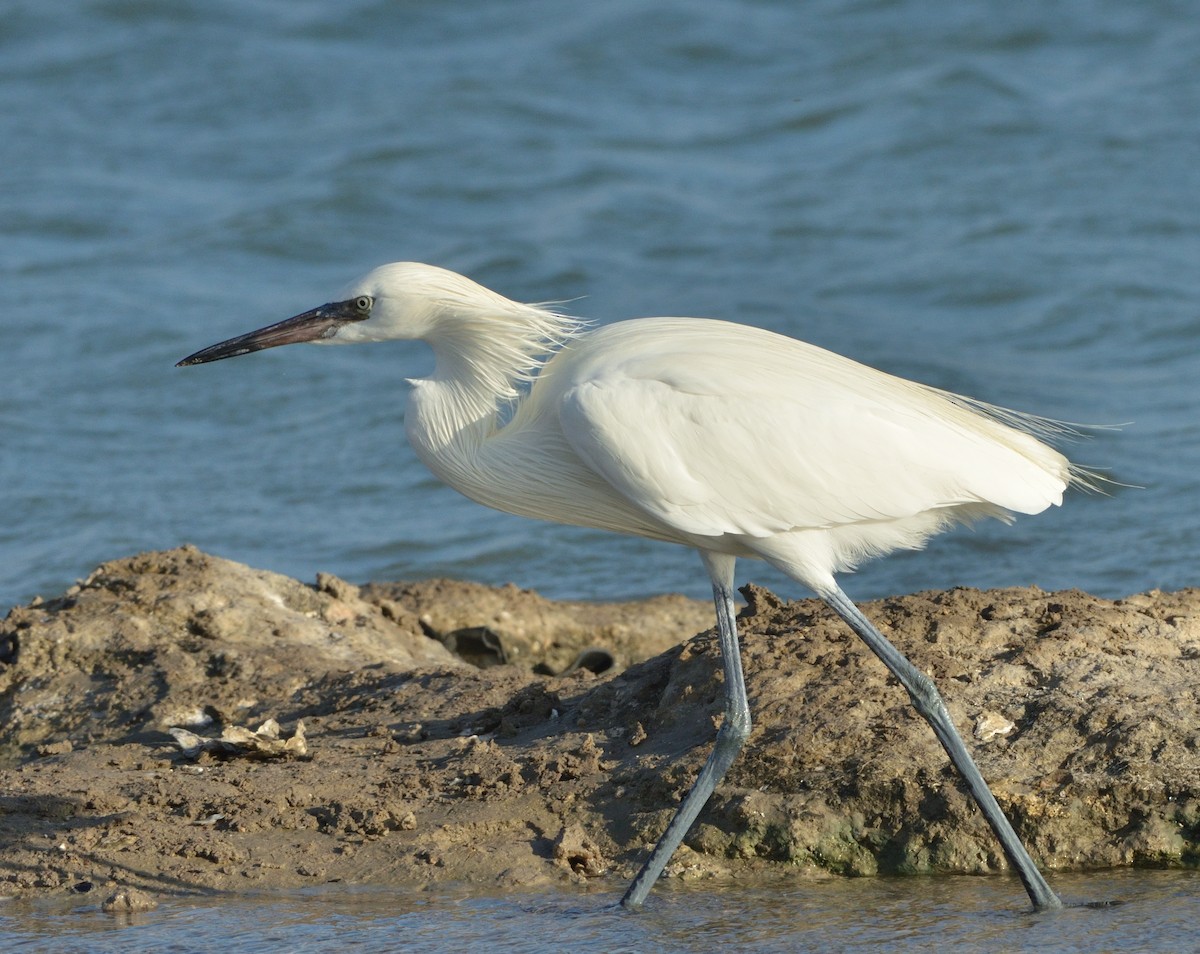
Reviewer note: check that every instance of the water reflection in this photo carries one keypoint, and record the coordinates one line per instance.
(1158, 911)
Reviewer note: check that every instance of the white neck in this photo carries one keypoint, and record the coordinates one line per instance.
(470, 425)
(483, 357)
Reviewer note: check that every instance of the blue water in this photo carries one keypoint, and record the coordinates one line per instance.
(1003, 200)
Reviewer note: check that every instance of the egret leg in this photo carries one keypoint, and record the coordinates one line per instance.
(927, 701)
(735, 728)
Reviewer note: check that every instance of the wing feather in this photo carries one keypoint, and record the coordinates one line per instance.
(716, 428)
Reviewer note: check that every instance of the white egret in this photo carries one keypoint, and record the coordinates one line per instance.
(729, 439)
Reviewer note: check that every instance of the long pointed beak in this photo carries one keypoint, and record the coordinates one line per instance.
(313, 325)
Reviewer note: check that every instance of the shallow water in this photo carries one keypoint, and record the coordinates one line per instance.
(1001, 200)
(1158, 911)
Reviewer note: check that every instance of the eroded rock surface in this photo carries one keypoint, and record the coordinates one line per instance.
(420, 766)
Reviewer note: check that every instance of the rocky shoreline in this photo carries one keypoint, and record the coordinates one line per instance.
(455, 732)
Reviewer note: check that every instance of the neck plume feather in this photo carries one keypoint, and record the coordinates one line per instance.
(487, 349)
(495, 346)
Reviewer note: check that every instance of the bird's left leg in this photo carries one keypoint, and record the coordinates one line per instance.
(927, 701)
(730, 737)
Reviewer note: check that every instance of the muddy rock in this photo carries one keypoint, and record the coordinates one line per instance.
(128, 901)
(492, 626)
(183, 639)
(450, 736)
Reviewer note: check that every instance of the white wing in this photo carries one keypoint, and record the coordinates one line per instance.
(717, 428)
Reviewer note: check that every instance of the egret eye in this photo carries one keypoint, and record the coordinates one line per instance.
(363, 303)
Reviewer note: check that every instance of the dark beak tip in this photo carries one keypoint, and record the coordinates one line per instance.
(310, 326)
(192, 359)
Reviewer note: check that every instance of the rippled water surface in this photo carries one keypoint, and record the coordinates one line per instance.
(998, 199)
(1158, 911)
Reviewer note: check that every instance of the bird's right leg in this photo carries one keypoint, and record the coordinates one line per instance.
(730, 738)
(928, 702)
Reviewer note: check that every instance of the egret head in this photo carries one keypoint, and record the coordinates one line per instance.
(404, 300)
(410, 300)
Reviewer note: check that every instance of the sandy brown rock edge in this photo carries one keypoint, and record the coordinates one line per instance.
(421, 767)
